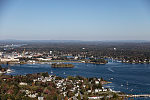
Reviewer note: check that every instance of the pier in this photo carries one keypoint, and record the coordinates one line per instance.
(139, 95)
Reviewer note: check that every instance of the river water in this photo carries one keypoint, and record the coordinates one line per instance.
(127, 78)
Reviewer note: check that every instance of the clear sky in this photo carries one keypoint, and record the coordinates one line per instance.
(75, 19)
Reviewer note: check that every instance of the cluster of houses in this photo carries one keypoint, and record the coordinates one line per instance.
(136, 61)
(31, 56)
(130, 60)
(72, 85)
(15, 57)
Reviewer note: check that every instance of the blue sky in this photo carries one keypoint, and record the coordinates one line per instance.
(75, 19)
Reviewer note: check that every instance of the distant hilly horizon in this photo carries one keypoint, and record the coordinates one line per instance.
(17, 40)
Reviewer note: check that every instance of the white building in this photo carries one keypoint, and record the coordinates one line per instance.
(40, 98)
(7, 59)
(22, 83)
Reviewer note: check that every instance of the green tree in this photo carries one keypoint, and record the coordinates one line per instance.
(79, 96)
(45, 74)
(0, 67)
(115, 96)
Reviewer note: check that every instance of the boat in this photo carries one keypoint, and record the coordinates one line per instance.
(51, 72)
(127, 83)
(8, 71)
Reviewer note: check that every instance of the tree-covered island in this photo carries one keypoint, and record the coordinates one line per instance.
(61, 65)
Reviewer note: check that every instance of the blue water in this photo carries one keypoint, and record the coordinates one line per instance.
(128, 78)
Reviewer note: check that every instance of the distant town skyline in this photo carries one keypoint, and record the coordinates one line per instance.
(75, 20)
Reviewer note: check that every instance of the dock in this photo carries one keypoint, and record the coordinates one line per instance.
(139, 95)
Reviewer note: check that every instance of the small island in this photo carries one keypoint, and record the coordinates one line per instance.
(61, 65)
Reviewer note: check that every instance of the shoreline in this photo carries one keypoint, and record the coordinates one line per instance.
(78, 84)
(59, 61)
(109, 91)
(138, 95)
